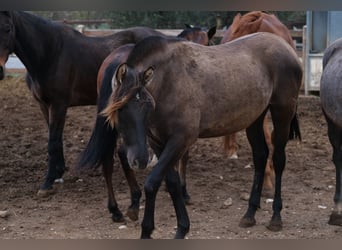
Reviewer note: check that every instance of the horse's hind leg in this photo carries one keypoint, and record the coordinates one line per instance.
(133, 209)
(335, 137)
(230, 146)
(269, 170)
(182, 165)
(281, 116)
(256, 138)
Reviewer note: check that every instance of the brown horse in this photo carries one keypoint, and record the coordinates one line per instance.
(175, 91)
(101, 145)
(252, 22)
(62, 66)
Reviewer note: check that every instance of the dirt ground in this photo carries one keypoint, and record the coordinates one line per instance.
(78, 210)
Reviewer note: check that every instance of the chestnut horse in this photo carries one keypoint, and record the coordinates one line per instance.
(252, 22)
(162, 92)
(330, 94)
(102, 143)
(62, 66)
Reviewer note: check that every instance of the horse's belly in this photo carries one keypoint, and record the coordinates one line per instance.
(233, 116)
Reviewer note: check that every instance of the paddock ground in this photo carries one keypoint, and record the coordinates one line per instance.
(78, 210)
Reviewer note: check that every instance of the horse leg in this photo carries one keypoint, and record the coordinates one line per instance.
(107, 168)
(335, 137)
(230, 146)
(281, 116)
(133, 209)
(256, 138)
(167, 159)
(173, 186)
(56, 162)
(182, 164)
(269, 170)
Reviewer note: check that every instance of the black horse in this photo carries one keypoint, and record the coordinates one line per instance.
(62, 66)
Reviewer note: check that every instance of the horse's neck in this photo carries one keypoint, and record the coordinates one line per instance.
(34, 41)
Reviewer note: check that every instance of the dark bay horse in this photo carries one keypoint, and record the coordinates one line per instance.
(62, 66)
(102, 143)
(330, 94)
(175, 92)
(252, 22)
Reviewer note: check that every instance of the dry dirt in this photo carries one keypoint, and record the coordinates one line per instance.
(78, 210)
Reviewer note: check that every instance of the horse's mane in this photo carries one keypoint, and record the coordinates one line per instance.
(151, 45)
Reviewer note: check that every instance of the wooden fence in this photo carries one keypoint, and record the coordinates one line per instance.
(297, 35)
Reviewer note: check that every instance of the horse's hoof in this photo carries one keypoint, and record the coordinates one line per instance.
(133, 214)
(335, 219)
(275, 225)
(187, 201)
(247, 222)
(46, 192)
(118, 218)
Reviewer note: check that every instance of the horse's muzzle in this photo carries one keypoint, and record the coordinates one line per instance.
(137, 159)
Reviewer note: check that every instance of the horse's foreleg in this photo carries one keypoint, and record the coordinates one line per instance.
(230, 146)
(257, 141)
(182, 165)
(56, 162)
(335, 137)
(133, 209)
(172, 182)
(167, 159)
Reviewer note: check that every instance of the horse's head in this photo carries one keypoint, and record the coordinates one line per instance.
(7, 39)
(198, 35)
(128, 110)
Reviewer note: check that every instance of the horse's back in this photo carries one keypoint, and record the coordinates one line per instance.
(245, 74)
(330, 86)
(257, 21)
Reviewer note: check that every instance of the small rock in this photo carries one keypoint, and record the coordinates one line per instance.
(269, 200)
(228, 202)
(244, 196)
(122, 227)
(248, 165)
(4, 214)
(322, 206)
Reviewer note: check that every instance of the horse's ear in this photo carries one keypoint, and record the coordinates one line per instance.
(119, 75)
(211, 32)
(189, 26)
(148, 75)
(237, 17)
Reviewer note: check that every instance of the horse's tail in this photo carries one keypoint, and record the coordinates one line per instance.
(295, 129)
(103, 139)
